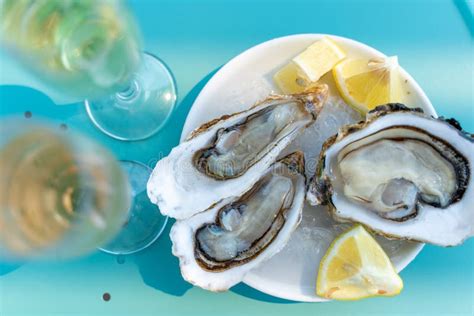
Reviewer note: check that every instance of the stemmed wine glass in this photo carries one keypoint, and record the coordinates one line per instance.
(91, 49)
(62, 195)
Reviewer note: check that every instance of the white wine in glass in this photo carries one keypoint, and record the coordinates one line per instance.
(63, 195)
(91, 49)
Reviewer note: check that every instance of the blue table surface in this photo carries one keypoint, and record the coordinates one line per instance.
(434, 42)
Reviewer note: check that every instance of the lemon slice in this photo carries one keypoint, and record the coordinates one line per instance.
(355, 267)
(366, 83)
(309, 66)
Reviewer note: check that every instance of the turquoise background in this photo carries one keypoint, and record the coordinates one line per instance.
(434, 42)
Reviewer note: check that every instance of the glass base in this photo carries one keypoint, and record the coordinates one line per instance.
(145, 223)
(142, 109)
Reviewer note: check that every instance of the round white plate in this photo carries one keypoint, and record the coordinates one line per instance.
(246, 79)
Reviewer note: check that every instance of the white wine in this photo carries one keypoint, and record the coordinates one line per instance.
(84, 47)
(60, 196)
(90, 49)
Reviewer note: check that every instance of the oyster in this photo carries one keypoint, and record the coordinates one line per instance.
(217, 247)
(402, 174)
(227, 155)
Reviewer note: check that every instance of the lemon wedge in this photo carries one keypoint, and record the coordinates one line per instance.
(318, 59)
(288, 80)
(355, 267)
(309, 66)
(366, 83)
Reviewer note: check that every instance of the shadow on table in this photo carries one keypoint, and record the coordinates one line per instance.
(6, 268)
(19, 100)
(247, 291)
(158, 267)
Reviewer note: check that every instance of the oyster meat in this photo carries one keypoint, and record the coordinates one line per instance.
(217, 247)
(402, 174)
(227, 155)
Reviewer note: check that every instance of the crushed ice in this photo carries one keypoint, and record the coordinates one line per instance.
(318, 229)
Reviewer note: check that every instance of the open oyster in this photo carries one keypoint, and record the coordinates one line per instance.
(227, 155)
(217, 247)
(402, 174)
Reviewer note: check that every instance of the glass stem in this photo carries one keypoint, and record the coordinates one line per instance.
(130, 93)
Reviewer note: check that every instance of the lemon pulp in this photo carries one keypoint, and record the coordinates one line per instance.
(355, 267)
(366, 83)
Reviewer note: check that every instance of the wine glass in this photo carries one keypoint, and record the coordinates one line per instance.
(91, 49)
(62, 195)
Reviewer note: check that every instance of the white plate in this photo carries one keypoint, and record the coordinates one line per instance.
(246, 79)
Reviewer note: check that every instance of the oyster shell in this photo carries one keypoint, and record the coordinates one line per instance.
(217, 247)
(227, 155)
(402, 174)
